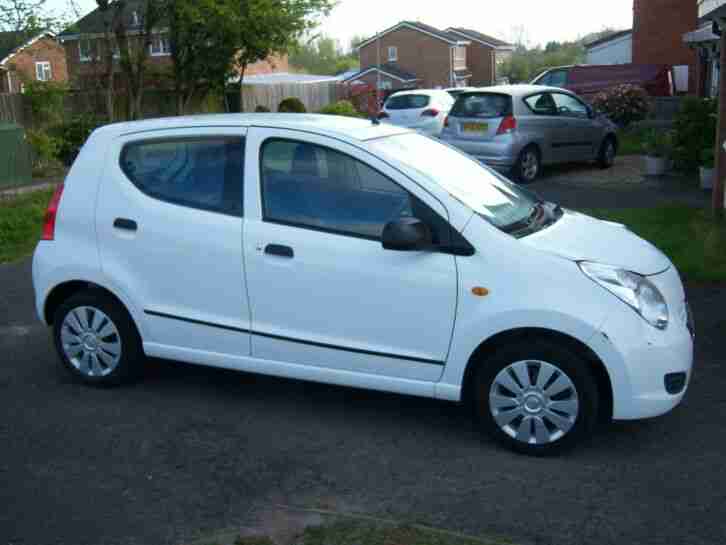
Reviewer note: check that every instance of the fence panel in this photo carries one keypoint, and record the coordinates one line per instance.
(11, 108)
(314, 96)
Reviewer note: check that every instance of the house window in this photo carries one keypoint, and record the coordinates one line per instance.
(459, 57)
(392, 54)
(85, 50)
(160, 45)
(43, 71)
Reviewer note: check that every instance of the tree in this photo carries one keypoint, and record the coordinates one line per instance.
(321, 55)
(213, 42)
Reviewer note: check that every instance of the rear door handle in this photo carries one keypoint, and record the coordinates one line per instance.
(279, 250)
(125, 224)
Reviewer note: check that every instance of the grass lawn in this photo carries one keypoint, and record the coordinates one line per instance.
(355, 532)
(689, 236)
(21, 221)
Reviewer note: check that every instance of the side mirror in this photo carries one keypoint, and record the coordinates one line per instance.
(407, 235)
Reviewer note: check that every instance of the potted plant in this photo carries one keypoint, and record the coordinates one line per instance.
(708, 159)
(657, 147)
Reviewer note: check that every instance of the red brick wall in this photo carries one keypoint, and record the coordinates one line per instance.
(426, 57)
(22, 65)
(274, 64)
(658, 29)
(480, 61)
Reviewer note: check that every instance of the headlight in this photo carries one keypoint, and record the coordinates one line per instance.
(633, 289)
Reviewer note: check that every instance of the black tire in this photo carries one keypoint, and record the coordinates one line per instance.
(607, 153)
(523, 171)
(574, 367)
(130, 363)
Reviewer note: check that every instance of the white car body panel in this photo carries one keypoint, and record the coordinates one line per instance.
(412, 118)
(352, 303)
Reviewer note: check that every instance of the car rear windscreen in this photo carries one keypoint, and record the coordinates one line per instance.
(407, 102)
(483, 105)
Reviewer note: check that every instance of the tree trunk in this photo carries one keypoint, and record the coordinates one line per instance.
(718, 183)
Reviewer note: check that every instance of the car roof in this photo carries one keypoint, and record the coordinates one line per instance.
(518, 90)
(429, 92)
(329, 125)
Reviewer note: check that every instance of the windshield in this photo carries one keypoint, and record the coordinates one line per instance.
(499, 201)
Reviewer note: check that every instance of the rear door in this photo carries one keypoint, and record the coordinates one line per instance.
(169, 227)
(579, 134)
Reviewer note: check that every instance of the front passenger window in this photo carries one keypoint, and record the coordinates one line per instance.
(312, 186)
(569, 106)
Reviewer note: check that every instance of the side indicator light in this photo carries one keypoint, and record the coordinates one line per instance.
(479, 291)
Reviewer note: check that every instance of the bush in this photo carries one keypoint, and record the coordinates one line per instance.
(292, 105)
(623, 104)
(658, 143)
(71, 135)
(695, 131)
(342, 107)
(45, 151)
(46, 100)
(708, 158)
(260, 109)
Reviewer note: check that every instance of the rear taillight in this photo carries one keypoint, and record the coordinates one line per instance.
(51, 214)
(431, 112)
(446, 121)
(507, 125)
(383, 115)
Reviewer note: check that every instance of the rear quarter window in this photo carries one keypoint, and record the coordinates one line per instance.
(408, 102)
(484, 105)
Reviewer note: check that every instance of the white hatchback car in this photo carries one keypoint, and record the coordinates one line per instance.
(422, 110)
(341, 251)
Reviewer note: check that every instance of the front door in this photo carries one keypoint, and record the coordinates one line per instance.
(323, 291)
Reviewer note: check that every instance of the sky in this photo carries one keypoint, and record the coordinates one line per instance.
(534, 21)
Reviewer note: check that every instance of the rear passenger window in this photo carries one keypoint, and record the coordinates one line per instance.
(542, 104)
(312, 186)
(203, 173)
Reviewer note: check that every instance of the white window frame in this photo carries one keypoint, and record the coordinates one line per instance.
(89, 51)
(43, 71)
(162, 39)
(459, 57)
(392, 53)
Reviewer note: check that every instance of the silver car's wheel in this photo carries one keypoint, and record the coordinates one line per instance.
(528, 167)
(91, 341)
(533, 402)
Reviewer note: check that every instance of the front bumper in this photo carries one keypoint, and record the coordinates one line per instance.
(644, 363)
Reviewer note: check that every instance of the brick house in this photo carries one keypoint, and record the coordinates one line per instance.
(485, 54)
(84, 42)
(658, 29)
(415, 55)
(23, 59)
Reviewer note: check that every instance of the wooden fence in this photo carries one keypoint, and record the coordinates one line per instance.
(314, 96)
(11, 108)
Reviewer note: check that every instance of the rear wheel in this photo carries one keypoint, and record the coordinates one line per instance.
(528, 165)
(96, 340)
(537, 398)
(607, 153)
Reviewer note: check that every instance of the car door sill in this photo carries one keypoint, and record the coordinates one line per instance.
(296, 371)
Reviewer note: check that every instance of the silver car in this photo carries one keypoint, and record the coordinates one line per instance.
(519, 128)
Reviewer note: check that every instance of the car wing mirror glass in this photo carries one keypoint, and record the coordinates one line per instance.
(407, 235)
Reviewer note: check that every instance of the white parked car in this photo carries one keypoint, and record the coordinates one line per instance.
(422, 110)
(336, 250)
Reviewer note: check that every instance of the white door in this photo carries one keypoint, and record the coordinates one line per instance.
(169, 224)
(323, 291)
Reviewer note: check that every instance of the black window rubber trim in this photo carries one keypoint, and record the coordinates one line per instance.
(293, 340)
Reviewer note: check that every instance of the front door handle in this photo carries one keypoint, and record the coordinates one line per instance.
(279, 250)
(125, 224)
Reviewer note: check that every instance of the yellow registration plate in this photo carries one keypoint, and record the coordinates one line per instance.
(474, 127)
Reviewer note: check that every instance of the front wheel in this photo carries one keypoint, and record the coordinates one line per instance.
(606, 155)
(528, 165)
(537, 398)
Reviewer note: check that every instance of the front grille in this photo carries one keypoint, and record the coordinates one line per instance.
(674, 383)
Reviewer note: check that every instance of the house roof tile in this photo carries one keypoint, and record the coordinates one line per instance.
(479, 36)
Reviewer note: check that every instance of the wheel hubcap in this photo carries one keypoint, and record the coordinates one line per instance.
(530, 166)
(533, 402)
(91, 341)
